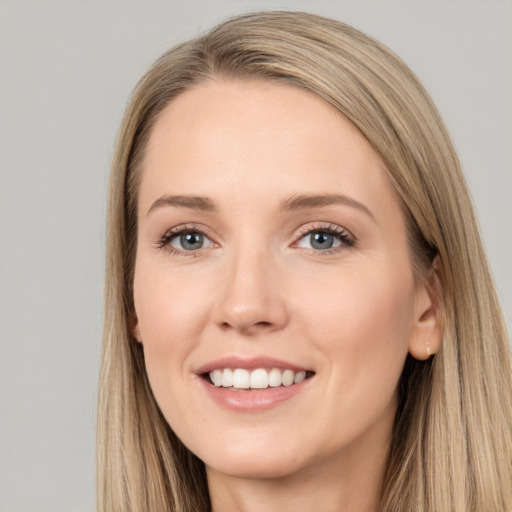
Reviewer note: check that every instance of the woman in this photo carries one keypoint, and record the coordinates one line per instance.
(299, 312)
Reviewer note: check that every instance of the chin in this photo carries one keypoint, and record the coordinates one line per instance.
(268, 458)
(257, 467)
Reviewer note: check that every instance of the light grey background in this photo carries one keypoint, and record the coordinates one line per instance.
(66, 70)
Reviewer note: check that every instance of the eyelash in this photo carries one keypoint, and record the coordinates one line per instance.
(346, 238)
(166, 239)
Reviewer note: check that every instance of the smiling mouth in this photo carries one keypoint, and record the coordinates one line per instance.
(240, 379)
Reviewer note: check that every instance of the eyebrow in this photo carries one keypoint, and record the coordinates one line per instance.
(193, 202)
(294, 203)
(304, 202)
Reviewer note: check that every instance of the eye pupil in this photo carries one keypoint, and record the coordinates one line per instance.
(321, 240)
(191, 241)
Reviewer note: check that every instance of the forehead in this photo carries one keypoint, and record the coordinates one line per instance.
(252, 111)
(267, 137)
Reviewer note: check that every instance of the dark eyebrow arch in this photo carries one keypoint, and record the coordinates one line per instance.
(303, 202)
(296, 202)
(193, 202)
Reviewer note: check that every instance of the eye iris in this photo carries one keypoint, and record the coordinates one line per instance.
(191, 241)
(321, 240)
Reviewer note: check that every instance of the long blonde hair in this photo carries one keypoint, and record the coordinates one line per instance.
(452, 443)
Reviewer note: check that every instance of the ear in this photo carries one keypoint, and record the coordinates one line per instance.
(134, 328)
(428, 320)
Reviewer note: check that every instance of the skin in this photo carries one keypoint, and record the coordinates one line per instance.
(258, 288)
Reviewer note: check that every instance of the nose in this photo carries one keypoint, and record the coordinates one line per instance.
(251, 299)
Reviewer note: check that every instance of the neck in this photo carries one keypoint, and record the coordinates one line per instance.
(340, 484)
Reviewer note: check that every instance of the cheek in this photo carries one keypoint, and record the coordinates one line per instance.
(362, 308)
(362, 331)
(362, 324)
(167, 307)
(171, 315)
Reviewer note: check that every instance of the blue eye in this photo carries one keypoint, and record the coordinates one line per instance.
(321, 240)
(184, 240)
(191, 241)
(325, 238)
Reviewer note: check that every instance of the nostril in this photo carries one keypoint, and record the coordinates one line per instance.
(248, 328)
(263, 324)
(256, 327)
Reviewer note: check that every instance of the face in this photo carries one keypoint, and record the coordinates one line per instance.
(273, 287)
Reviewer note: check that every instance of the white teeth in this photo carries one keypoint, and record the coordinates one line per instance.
(288, 376)
(217, 377)
(227, 378)
(274, 378)
(259, 379)
(299, 377)
(240, 378)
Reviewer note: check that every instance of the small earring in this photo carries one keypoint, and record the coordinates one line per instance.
(428, 349)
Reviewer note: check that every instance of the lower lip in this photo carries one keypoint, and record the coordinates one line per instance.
(252, 400)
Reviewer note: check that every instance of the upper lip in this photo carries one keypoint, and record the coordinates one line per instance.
(249, 363)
